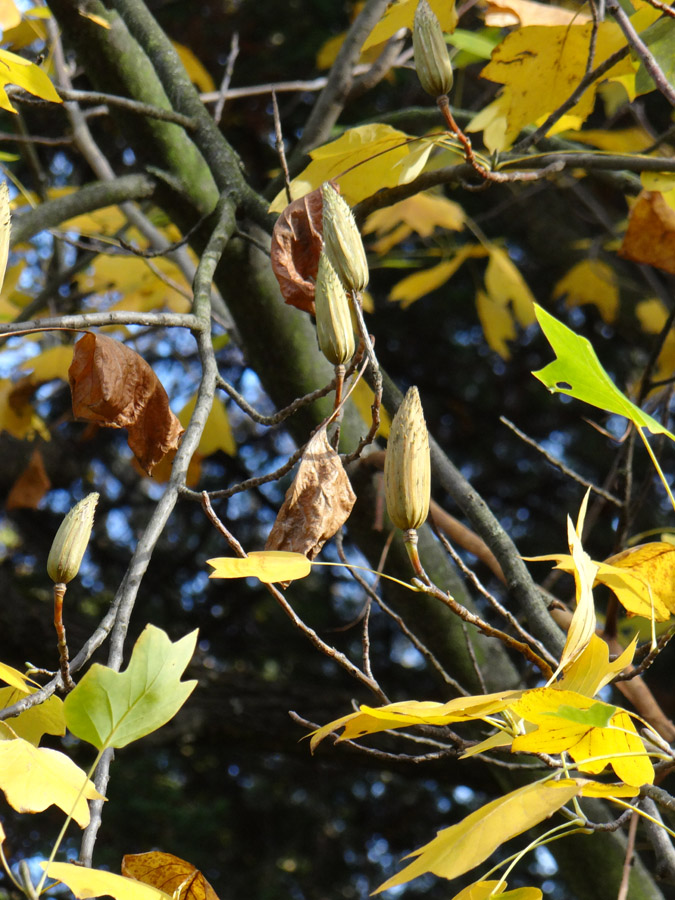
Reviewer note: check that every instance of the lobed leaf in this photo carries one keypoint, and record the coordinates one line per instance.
(269, 566)
(112, 709)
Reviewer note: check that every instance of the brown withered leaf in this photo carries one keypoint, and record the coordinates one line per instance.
(31, 486)
(650, 237)
(170, 874)
(296, 246)
(113, 386)
(317, 503)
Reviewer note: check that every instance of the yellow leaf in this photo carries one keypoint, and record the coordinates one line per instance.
(25, 74)
(15, 678)
(663, 182)
(106, 220)
(421, 213)
(401, 14)
(492, 121)
(362, 397)
(217, 434)
(268, 565)
(541, 65)
(52, 363)
(198, 74)
(591, 747)
(97, 20)
(503, 13)
(32, 723)
(9, 15)
(26, 32)
(419, 284)
(652, 315)
(362, 161)
(506, 285)
(85, 883)
(599, 789)
(17, 416)
(34, 778)
(494, 742)
(141, 288)
(622, 140)
(590, 281)
(582, 626)
(592, 669)
(481, 890)
(458, 849)
(497, 323)
(645, 577)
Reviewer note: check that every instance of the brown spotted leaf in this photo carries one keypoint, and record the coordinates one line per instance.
(296, 245)
(317, 503)
(31, 486)
(650, 237)
(113, 386)
(174, 876)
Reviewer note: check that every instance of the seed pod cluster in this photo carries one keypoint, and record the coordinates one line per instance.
(333, 318)
(407, 465)
(432, 62)
(342, 240)
(71, 541)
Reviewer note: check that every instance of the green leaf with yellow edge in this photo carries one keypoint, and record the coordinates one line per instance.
(590, 281)
(17, 70)
(34, 778)
(540, 66)
(32, 723)
(463, 846)
(592, 669)
(217, 434)
(269, 566)
(401, 14)
(592, 748)
(363, 398)
(15, 678)
(362, 161)
(112, 709)
(51, 364)
(85, 883)
(578, 373)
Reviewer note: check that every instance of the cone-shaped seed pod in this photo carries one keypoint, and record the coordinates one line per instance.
(407, 465)
(432, 62)
(71, 541)
(333, 317)
(342, 240)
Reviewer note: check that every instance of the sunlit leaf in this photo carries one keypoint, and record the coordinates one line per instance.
(111, 709)
(85, 883)
(592, 669)
(419, 284)
(17, 415)
(34, 778)
(401, 14)
(363, 397)
(497, 323)
(45, 718)
(15, 679)
(170, 874)
(217, 434)
(50, 364)
(600, 789)
(506, 286)
(503, 13)
(578, 373)
(17, 70)
(267, 565)
(198, 74)
(458, 849)
(421, 213)
(597, 715)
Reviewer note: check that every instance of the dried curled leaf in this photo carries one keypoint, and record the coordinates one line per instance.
(113, 386)
(296, 244)
(317, 504)
(31, 486)
(168, 873)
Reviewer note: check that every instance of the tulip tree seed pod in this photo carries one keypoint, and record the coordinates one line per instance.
(407, 465)
(432, 62)
(333, 316)
(342, 240)
(71, 541)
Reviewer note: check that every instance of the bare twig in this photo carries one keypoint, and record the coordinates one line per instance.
(279, 145)
(628, 858)
(561, 466)
(227, 78)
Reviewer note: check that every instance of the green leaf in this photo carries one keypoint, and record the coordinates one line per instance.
(578, 373)
(659, 37)
(112, 709)
(597, 716)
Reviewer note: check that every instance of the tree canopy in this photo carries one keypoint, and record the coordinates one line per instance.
(328, 331)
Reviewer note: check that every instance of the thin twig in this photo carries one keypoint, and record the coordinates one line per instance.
(279, 146)
(134, 106)
(59, 594)
(628, 858)
(326, 649)
(227, 77)
(561, 466)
